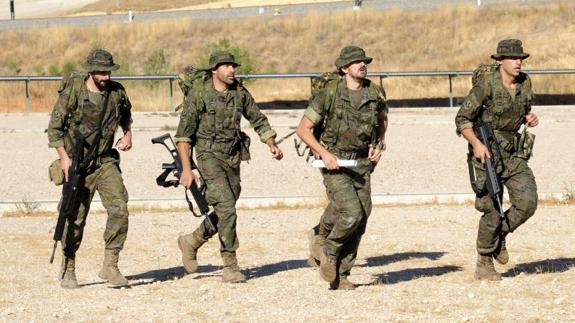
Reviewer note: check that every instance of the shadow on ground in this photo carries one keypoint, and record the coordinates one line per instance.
(404, 275)
(547, 266)
(271, 269)
(396, 257)
(161, 275)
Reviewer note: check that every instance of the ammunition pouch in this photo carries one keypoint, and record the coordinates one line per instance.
(55, 173)
(524, 145)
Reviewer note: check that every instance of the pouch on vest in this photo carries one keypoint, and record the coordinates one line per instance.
(245, 142)
(55, 173)
(524, 145)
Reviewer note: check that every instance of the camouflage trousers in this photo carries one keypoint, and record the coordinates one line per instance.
(107, 180)
(221, 173)
(345, 217)
(518, 178)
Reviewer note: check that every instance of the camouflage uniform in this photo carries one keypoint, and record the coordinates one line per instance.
(349, 132)
(491, 101)
(79, 108)
(210, 122)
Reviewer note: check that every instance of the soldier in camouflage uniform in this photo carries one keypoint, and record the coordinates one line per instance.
(354, 122)
(80, 106)
(210, 122)
(502, 98)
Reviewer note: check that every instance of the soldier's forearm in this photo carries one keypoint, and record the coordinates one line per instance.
(184, 152)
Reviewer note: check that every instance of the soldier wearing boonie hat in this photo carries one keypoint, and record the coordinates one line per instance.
(351, 113)
(210, 124)
(502, 97)
(93, 105)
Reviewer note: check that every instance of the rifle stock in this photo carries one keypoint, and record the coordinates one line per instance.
(175, 167)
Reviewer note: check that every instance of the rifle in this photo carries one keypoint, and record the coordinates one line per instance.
(175, 167)
(76, 173)
(484, 133)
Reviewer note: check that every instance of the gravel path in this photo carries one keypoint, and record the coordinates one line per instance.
(424, 157)
(414, 264)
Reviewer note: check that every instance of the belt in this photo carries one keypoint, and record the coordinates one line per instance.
(228, 147)
(349, 154)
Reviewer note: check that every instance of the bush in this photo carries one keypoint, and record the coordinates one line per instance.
(156, 64)
(247, 64)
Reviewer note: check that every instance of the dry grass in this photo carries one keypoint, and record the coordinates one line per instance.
(398, 40)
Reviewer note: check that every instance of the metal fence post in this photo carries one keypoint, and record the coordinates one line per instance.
(27, 96)
(171, 103)
(450, 91)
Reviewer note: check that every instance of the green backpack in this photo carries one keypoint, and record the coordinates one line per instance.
(327, 80)
(481, 71)
(190, 78)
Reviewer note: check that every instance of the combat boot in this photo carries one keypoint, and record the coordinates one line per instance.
(328, 268)
(231, 272)
(189, 245)
(110, 271)
(343, 284)
(485, 269)
(313, 258)
(68, 273)
(500, 254)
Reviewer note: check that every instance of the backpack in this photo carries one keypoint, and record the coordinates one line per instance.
(482, 71)
(191, 78)
(329, 81)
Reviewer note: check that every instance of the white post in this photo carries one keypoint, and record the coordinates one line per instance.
(479, 3)
(130, 16)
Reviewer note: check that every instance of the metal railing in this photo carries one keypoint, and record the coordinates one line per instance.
(171, 78)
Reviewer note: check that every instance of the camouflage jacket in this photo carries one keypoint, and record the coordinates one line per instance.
(490, 100)
(347, 128)
(74, 110)
(211, 118)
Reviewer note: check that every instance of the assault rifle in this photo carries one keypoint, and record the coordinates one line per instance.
(76, 173)
(484, 133)
(175, 167)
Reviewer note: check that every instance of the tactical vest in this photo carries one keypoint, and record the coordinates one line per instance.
(85, 115)
(350, 129)
(219, 117)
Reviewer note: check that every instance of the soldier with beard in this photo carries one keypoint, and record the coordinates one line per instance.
(210, 123)
(94, 106)
(353, 117)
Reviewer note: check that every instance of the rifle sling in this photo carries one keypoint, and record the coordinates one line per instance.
(92, 150)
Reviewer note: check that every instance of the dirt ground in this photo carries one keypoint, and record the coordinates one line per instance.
(415, 264)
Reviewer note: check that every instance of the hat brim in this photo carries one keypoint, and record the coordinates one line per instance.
(214, 66)
(339, 63)
(510, 55)
(101, 68)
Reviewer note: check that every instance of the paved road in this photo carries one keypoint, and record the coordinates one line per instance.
(236, 13)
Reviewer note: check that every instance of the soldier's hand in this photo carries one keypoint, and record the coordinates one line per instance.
(330, 161)
(125, 143)
(187, 178)
(276, 152)
(65, 163)
(532, 120)
(481, 152)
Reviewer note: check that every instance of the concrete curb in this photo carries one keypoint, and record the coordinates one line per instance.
(252, 203)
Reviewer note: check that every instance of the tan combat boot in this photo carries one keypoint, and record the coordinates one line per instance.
(189, 245)
(343, 284)
(68, 273)
(500, 254)
(328, 268)
(231, 272)
(316, 237)
(485, 269)
(110, 271)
